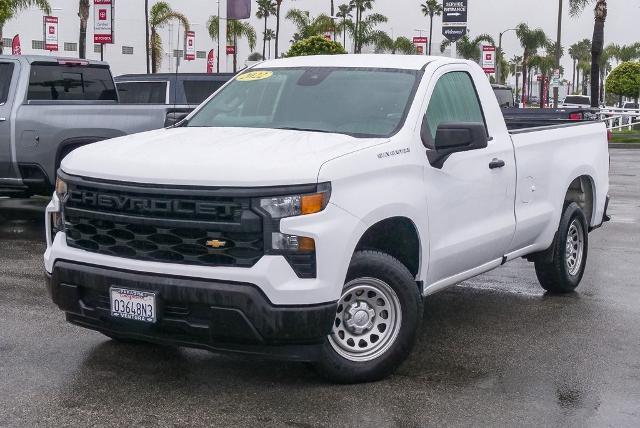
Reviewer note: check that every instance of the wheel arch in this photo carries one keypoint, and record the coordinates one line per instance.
(70, 144)
(398, 237)
(582, 191)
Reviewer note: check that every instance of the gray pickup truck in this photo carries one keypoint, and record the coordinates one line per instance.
(50, 106)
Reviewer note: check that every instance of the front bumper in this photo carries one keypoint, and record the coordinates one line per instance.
(209, 314)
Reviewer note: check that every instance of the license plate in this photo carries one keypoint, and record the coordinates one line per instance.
(133, 305)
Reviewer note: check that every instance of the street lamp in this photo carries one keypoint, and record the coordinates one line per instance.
(498, 68)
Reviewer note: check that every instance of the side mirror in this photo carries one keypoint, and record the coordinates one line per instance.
(454, 137)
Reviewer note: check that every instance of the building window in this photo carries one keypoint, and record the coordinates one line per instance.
(201, 54)
(37, 44)
(127, 50)
(97, 48)
(178, 53)
(71, 47)
(7, 42)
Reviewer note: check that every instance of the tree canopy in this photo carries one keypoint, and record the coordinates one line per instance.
(625, 80)
(315, 45)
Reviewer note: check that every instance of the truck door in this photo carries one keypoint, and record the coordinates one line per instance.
(470, 198)
(8, 80)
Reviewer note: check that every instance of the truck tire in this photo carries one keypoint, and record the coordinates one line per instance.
(564, 272)
(376, 322)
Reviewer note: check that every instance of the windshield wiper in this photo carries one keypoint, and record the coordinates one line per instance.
(292, 128)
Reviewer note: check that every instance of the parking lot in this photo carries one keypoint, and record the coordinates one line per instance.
(494, 351)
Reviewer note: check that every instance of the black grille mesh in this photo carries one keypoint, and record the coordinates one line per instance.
(121, 234)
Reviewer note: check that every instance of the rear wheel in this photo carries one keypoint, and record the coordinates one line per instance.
(376, 320)
(564, 271)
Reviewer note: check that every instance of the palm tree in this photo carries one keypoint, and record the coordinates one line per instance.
(515, 66)
(266, 8)
(161, 14)
(557, 53)
(608, 54)
(333, 15)
(583, 55)
(431, 8)
(368, 35)
(278, 4)
(401, 45)
(269, 35)
(545, 65)
(360, 6)
(530, 40)
(83, 14)
(597, 41)
(468, 48)
(235, 30)
(629, 53)
(344, 12)
(307, 26)
(146, 35)
(10, 8)
(573, 53)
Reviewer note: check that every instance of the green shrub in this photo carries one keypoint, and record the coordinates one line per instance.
(316, 45)
(624, 80)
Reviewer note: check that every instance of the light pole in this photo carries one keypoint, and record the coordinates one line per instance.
(498, 68)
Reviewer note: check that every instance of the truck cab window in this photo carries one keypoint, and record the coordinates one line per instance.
(196, 91)
(454, 99)
(6, 71)
(142, 92)
(64, 83)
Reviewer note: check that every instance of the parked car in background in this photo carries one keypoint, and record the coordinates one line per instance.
(583, 101)
(504, 94)
(50, 106)
(307, 209)
(182, 91)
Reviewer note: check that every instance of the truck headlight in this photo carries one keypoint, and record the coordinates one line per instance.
(293, 205)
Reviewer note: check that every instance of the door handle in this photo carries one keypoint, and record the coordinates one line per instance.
(3, 119)
(496, 163)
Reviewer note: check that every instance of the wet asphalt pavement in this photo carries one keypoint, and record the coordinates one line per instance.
(494, 351)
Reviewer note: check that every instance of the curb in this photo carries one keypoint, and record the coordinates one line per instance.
(624, 146)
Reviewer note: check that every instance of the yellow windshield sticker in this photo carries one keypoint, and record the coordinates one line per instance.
(254, 75)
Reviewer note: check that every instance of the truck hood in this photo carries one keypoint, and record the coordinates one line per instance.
(213, 156)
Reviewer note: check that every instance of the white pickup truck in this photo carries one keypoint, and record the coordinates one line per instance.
(307, 208)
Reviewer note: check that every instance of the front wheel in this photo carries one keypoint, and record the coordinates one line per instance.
(376, 321)
(563, 273)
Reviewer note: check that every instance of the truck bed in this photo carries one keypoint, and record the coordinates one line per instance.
(519, 118)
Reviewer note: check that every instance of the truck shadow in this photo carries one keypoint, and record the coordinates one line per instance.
(467, 335)
(22, 218)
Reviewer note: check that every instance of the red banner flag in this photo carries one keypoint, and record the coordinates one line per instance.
(15, 45)
(211, 61)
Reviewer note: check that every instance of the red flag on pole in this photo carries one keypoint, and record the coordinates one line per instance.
(211, 61)
(15, 45)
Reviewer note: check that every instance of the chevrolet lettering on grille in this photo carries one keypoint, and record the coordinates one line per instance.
(141, 205)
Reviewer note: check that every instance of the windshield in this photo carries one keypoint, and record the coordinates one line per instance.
(359, 102)
(577, 100)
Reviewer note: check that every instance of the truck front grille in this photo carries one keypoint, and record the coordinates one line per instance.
(167, 226)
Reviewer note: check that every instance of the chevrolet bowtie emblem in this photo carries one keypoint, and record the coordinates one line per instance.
(214, 243)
